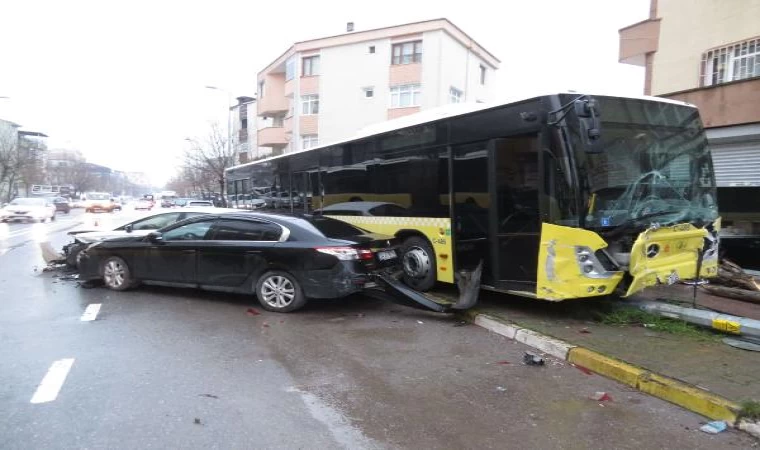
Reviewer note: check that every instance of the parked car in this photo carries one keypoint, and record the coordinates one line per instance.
(135, 227)
(28, 208)
(207, 203)
(283, 260)
(62, 204)
(144, 205)
(167, 203)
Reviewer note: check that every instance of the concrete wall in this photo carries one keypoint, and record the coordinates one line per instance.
(689, 28)
(345, 72)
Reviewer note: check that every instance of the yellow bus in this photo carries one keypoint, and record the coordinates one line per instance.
(553, 197)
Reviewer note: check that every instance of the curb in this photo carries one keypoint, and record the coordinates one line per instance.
(674, 391)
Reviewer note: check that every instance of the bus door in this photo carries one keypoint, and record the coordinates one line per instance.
(514, 223)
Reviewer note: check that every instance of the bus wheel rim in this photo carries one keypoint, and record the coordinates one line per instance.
(416, 263)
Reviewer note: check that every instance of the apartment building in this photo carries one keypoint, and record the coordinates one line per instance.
(244, 136)
(326, 89)
(707, 52)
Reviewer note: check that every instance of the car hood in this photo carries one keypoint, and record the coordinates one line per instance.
(95, 236)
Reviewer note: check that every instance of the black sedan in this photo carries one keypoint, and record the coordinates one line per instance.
(284, 260)
(62, 204)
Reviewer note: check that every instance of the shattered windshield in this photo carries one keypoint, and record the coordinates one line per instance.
(654, 166)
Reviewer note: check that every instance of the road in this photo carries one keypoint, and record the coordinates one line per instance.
(164, 368)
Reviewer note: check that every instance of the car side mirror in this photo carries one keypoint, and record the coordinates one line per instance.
(155, 237)
(129, 228)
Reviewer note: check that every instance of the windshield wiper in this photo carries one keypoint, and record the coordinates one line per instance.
(628, 223)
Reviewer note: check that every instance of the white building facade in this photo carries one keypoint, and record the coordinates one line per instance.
(244, 131)
(327, 89)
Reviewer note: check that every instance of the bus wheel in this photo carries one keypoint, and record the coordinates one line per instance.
(419, 263)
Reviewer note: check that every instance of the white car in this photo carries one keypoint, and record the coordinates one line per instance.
(136, 227)
(192, 203)
(29, 209)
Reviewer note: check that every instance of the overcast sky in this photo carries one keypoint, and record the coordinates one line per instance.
(124, 81)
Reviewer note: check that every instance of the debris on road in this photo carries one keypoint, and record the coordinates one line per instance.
(209, 396)
(460, 323)
(601, 397)
(584, 331)
(252, 312)
(197, 421)
(501, 389)
(420, 322)
(265, 325)
(750, 344)
(583, 369)
(532, 359)
(503, 363)
(50, 255)
(715, 427)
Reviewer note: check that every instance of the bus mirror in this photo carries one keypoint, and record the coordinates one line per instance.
(588, 113)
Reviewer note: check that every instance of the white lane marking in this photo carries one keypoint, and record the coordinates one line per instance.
(91, 312)
(51, 384)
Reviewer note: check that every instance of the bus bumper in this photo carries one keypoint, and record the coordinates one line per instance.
(570, 260)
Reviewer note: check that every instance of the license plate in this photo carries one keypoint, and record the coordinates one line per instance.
(386, 255)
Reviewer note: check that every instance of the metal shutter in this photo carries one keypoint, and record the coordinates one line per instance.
(737, 164)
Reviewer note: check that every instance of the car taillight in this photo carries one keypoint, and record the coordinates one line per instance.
(346, 253)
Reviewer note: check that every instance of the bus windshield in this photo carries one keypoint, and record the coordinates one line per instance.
(653, 166)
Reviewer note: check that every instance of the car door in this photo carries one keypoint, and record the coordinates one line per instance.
(173, 258)
(236, 249)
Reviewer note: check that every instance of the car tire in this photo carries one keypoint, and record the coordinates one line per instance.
(279, 291)
(116, 274)
(418, 258)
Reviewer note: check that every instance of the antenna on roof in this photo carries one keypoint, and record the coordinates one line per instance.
(349, 27)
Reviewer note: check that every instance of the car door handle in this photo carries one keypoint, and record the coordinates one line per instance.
(188, 251)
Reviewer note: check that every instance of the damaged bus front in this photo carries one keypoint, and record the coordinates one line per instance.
(642, 205)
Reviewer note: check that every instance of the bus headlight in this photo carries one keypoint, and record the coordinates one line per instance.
(589, 264)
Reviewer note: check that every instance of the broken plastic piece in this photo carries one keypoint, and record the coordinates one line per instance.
(715, 427)
(583, 369)
(601, 397)
(501, 389)
(252, 312)
(420, 322)
(584, 331)
(532, 359)
(503, 363)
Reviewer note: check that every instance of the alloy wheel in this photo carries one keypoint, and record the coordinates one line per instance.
(278, 291)
(114, 274)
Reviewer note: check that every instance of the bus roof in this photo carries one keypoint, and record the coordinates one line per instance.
(446, 111)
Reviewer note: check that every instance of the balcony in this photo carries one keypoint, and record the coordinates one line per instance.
(637, 40)
(272, 136)
(727, 104)
(272, 105)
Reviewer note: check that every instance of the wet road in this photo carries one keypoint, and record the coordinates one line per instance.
(163, 368)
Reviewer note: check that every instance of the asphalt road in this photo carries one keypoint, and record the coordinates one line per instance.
(163, 368)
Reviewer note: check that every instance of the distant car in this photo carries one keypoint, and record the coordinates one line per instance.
(62, 204)
(28, 209)
(283, 260)
(207, 203)
(78, 203)
(99, 201)
(364, 209)
(143, 204)
(135, 227)
(167, 203)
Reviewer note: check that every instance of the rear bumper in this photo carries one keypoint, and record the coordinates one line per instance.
(345, 278)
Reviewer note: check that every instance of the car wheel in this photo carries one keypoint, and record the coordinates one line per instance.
(418, 259)
(116, 274)
(279, 291)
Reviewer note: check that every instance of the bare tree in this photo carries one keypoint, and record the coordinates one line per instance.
(207, 159)
(16, 160)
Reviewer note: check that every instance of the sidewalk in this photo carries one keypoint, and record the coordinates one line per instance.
(689, 354)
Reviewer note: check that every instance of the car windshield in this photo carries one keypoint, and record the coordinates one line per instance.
(333, 228)
(98, 196)
(28, 202)
(652, 163)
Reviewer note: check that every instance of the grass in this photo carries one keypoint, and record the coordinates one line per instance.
(634, 316)
(750, 409)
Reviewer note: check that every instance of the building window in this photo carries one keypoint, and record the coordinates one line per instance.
(455, 95)
(407, 53)
(261, 89)
(311, 66)
(372, 49)
(309, 104)
(277, 121)
(369, 92)
(309, 141)
(405, 96)
(244, 123)
(290, 69)
(482, 74)
(731, 63)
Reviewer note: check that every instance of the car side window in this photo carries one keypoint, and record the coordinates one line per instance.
(188, 215)
(246, 230)
(195, 231)
(156, 222)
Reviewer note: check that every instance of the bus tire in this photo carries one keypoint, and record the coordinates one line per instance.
(418, 259)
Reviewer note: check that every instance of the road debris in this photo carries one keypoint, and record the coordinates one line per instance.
(751, 344)
(209, 396)
(584, 331)
(583, 369)
(50, 255)
(601, 397)
(197, 421)
(532, 359)
(420, 322)
(265, 325)
(503, 363)
(715, 427)
(501, 389)
(253, 312)
(460, 323)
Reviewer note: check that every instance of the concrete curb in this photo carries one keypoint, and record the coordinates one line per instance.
(674, 391)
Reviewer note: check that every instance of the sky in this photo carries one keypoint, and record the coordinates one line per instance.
(124, 82)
